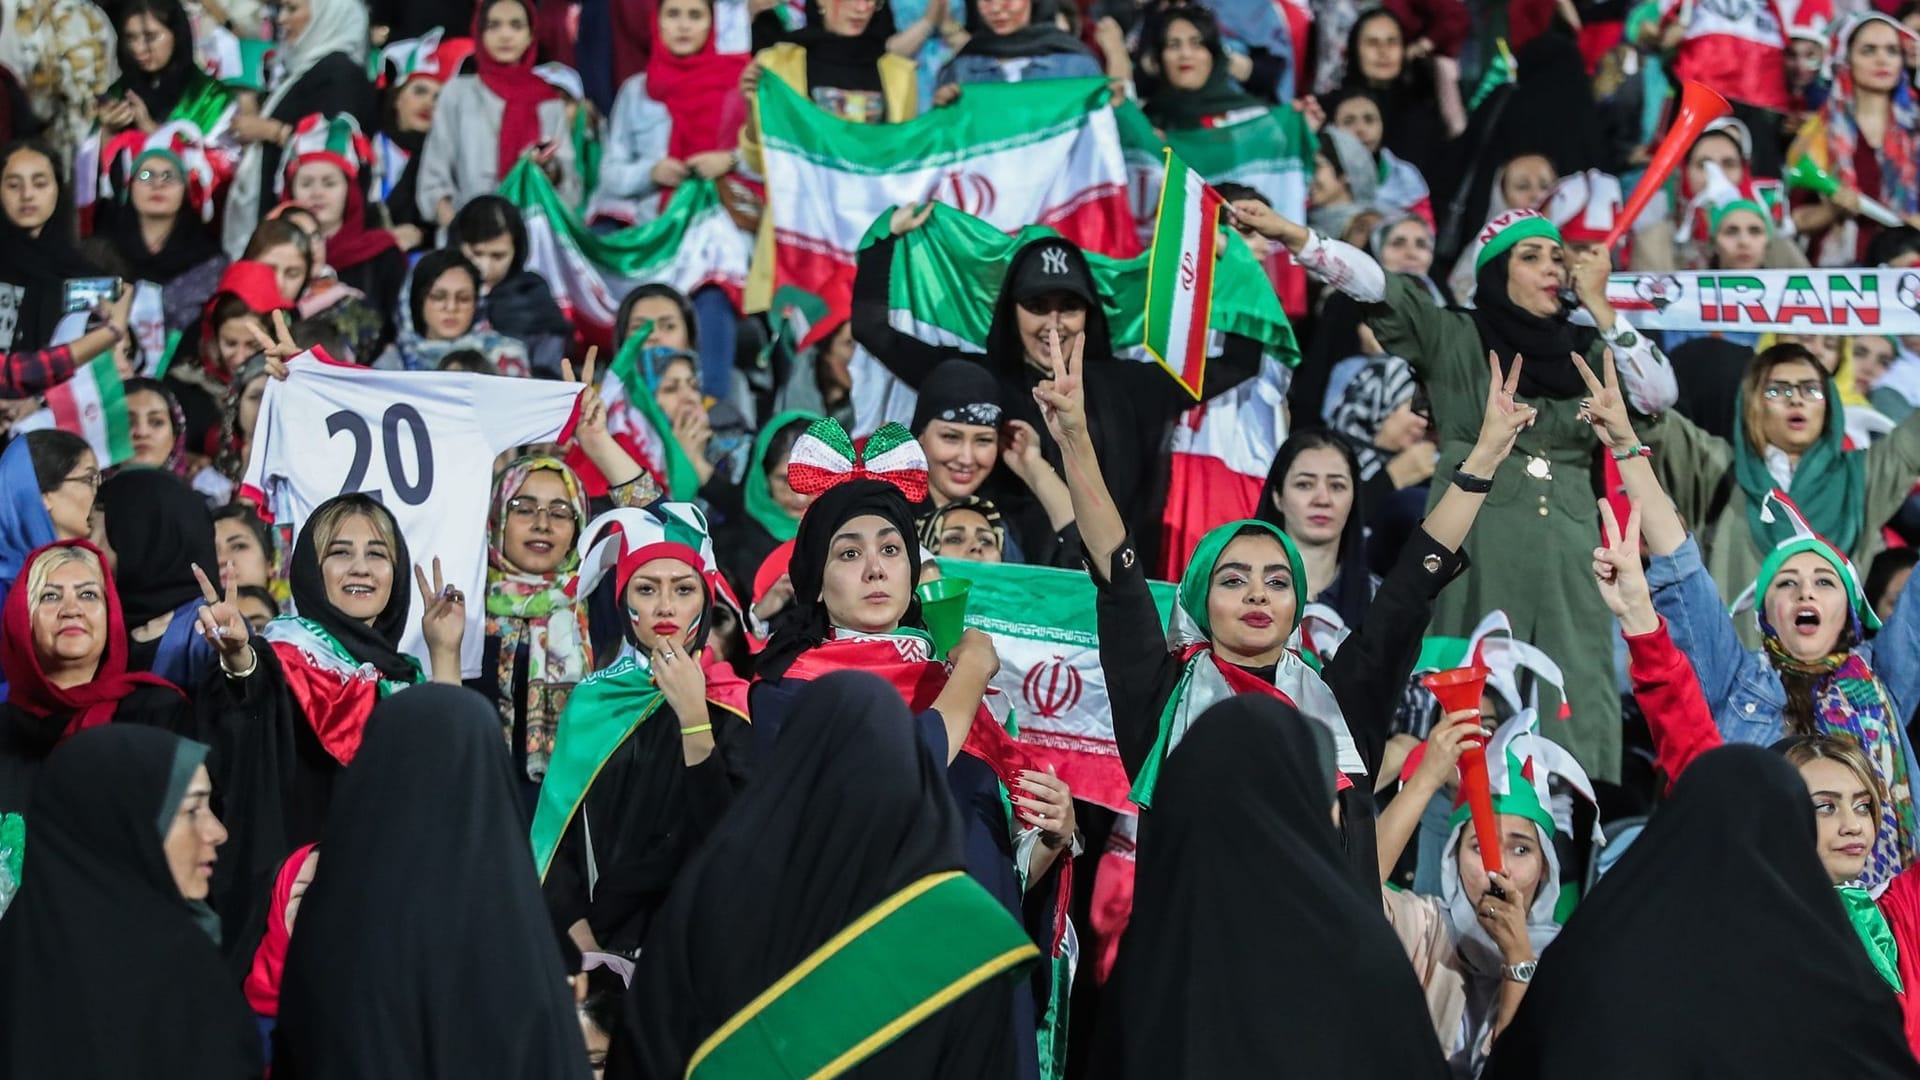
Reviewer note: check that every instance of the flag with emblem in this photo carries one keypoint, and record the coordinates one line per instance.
(692, 244)
(1043, 628)
(92, 405)
(636, 420)
(1011, 154)
(1186, 242)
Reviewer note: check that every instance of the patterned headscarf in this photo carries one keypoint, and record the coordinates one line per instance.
(1899, 152)
(1383, 385)
(542, 610)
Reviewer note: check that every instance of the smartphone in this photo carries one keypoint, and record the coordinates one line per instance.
(85, 294)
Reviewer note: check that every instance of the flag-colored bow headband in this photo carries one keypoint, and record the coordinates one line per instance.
(826, 457)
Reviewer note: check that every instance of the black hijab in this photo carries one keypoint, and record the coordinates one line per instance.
(378, 644)
(958, 392)
(188, 245)
(105, 969)
(1719, 912)
(424, 948)
(850, 809)
(1353, 591)
(1039, 37)
(41, 266)
(1172, 109)
(1411, 124)
(1243, 838)
(1547, 343)
(159, 529)
(804, 624)
(162, 90)
(837, 50)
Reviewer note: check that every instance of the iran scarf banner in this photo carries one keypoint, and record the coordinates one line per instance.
(693, 243)
(1874, 300)
(92, 405)
(1737, 47)
(1010, 154)
(1042, 622)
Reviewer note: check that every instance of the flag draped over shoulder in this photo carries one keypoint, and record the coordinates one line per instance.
(693, 243)
(1011, 155)
(93, 405)
(947, 274)
(1042, 622)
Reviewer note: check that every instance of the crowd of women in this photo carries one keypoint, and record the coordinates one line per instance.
(776, 827)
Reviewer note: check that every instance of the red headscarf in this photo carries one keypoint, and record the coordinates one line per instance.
(701, 93)
(355, 243)
(91, 703)
(263, 982)
(255, 285)
(515, 84)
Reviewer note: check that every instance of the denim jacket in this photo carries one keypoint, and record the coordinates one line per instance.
(985, 69)
(1748, 700)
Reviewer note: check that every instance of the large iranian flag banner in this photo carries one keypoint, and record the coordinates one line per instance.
(693, 243)
(1042, 623)
(1012, 155)
(93, 405)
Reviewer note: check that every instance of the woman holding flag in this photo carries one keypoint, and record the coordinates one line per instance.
(856, 563)
(1239, 603)
(1524, 280)
(650, 750)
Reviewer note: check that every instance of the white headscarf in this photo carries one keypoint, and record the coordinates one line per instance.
(336, 26)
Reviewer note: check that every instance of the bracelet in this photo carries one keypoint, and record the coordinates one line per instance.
(1471, 484)
(1634, 451)
(247, 674)
(695, 730)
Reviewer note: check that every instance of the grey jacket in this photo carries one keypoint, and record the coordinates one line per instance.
(461, 158)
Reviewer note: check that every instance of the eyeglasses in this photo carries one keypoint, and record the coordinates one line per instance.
(1806, 391)
(441, 298)
(91, 478)
(156, 177)
(526, 509)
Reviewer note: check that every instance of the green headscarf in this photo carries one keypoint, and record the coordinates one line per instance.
(1856, 599)
(1196, 581)
(760, 505)
(1829, 485)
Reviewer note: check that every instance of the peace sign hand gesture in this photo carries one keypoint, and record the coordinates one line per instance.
(1503, 421)
(443, 624)
(1063, 398)
(222, 625)
(1606, 408)
(1618, 574)
(279, 348)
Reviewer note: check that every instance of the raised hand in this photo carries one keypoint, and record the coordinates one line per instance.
(1618, 574)
(1020, 448)
(279, 348)
(680, 677)
(221, 623)
(905, 219)
(444, 623)
(1504, 418)
(1063, 398)
(1445, 743)
(1606, 407)
(1043, 801)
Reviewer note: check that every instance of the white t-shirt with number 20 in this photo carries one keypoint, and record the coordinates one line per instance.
(421, 442)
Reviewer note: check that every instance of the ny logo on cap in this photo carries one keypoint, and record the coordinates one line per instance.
(1053, 260)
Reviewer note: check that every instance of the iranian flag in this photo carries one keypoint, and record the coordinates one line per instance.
(92, 405)
(693, 243)
(1737, 47)
(947, 273)
(1186, 241)
(1011, 154)
(1042, 622)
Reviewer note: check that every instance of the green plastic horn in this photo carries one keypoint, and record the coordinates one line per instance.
(943, 604)
(1807, 175)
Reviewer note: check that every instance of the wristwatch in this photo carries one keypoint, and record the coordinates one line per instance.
(1521, 972)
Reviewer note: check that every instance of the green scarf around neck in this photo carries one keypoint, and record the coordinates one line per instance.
(1829, 485)
(761, 506)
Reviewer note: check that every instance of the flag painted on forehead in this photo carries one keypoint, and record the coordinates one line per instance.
(1012, 154)
(93, 405)
(1186, 243)
(692, 244)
